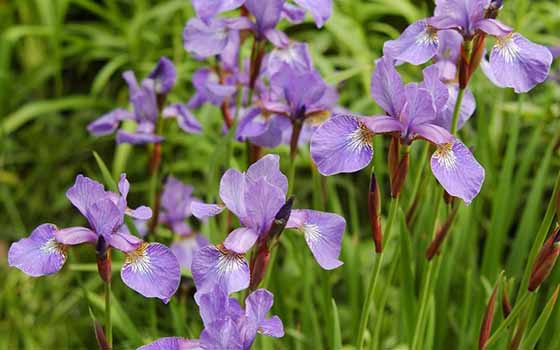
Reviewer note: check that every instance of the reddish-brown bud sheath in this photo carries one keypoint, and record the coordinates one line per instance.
(399, 177)
(518, 335)
(506, 305)
(545, 261)
(464, 67)
(280, 221)
(435, 245)
(259, 265)
(393, 156)
(100, 336)
(486, 327)
(477, 52)
(374, 207)
(103, 259)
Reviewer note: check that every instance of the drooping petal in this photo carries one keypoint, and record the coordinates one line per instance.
(493, 27)
(382, 124)
(262, 202)
(342, 144)
(213, 305)
(277, 38)
(84, 193)
(185, 118)
(137, 138)
(222, 334)
(212, 266)
(268, 167)
(202, 210)
(232, 191)
(272, 135)
(152, 270)
(519, 63)
(321, 10)
(272, 327)
(108, 123)
(323, 234)
(164, 75)
(457, 171)
(172, 343)
(430, 132)
(257, 305)
(293, 13)
(241, 240)
(416, 45)
(39, 254)
(124, 241)
(205, 39)
(140, 213)
(75, 235)
(206, 9)
(186, 248)
(387, 88)
(444, 117)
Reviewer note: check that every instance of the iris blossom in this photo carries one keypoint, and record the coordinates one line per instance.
(151, 269)
(145, 99)
(176, 201)
(255, 198)
(321, 10)
(226, 324)
(343, 143)
(514, 61)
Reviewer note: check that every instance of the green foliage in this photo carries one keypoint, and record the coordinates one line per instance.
(60, 67)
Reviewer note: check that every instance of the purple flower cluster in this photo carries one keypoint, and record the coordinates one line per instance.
(151, 269)
(226, 324)
(255, 197)
(514, 61)
(146, 99)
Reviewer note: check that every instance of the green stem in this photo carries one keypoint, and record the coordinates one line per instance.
(368, 302)
(419, 177)
(519, 306)
(291, 176)
(424, 296)
(456, 110)
(108, 323)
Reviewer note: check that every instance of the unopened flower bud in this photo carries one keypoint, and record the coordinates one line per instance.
(435, 245)
(486, 326)
(506, 305)
(259, 265)
(393, 156)
(493, 9)
(281, 220)
(100, 336)
(374, 207)
(103, 259)
(399, 176)
(545, 260)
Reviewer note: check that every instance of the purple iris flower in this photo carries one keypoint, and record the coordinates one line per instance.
(151, 269)
(295, 96)
(343, 143)
(211, 38)
(176, 203)
(255, 197)
(320, 10)
(514, 61)
(209, 88)
(227, 326)
(144, 99)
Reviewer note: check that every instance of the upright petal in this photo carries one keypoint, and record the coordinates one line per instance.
(172, 343)
(444, 117)
(323, 234)
(437, 90)
(163, 75)
(387, 88)
(108, 123)
(222, 334)
(262, 202)
(457, 171)
(272, 327)
(84, 193)
(342, 144)
(416, 45)
(105, 217)
(75, 235)
(419, 107)
(206, 9)
(519, 63)
(185, 119)
(321, 10)
(267, 13)
(293, 13)
(212, 266)
(232, 191)
(202, 210)
(268, 167)
(152, 270)
(39, 254)
(257, 305)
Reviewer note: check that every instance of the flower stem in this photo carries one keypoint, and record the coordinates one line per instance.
(457, 110)
(368, 302)
(108, 322)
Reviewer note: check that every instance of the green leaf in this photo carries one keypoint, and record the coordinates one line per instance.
(535, 333)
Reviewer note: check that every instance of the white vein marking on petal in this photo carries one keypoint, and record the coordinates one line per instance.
(507, 48)
(139, 260)
(445, 156)
(228, 261)
(427, 37)
(52, 247)
(311, 231)
(359, 138)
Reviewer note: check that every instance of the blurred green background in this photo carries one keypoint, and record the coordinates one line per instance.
(60, 68)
